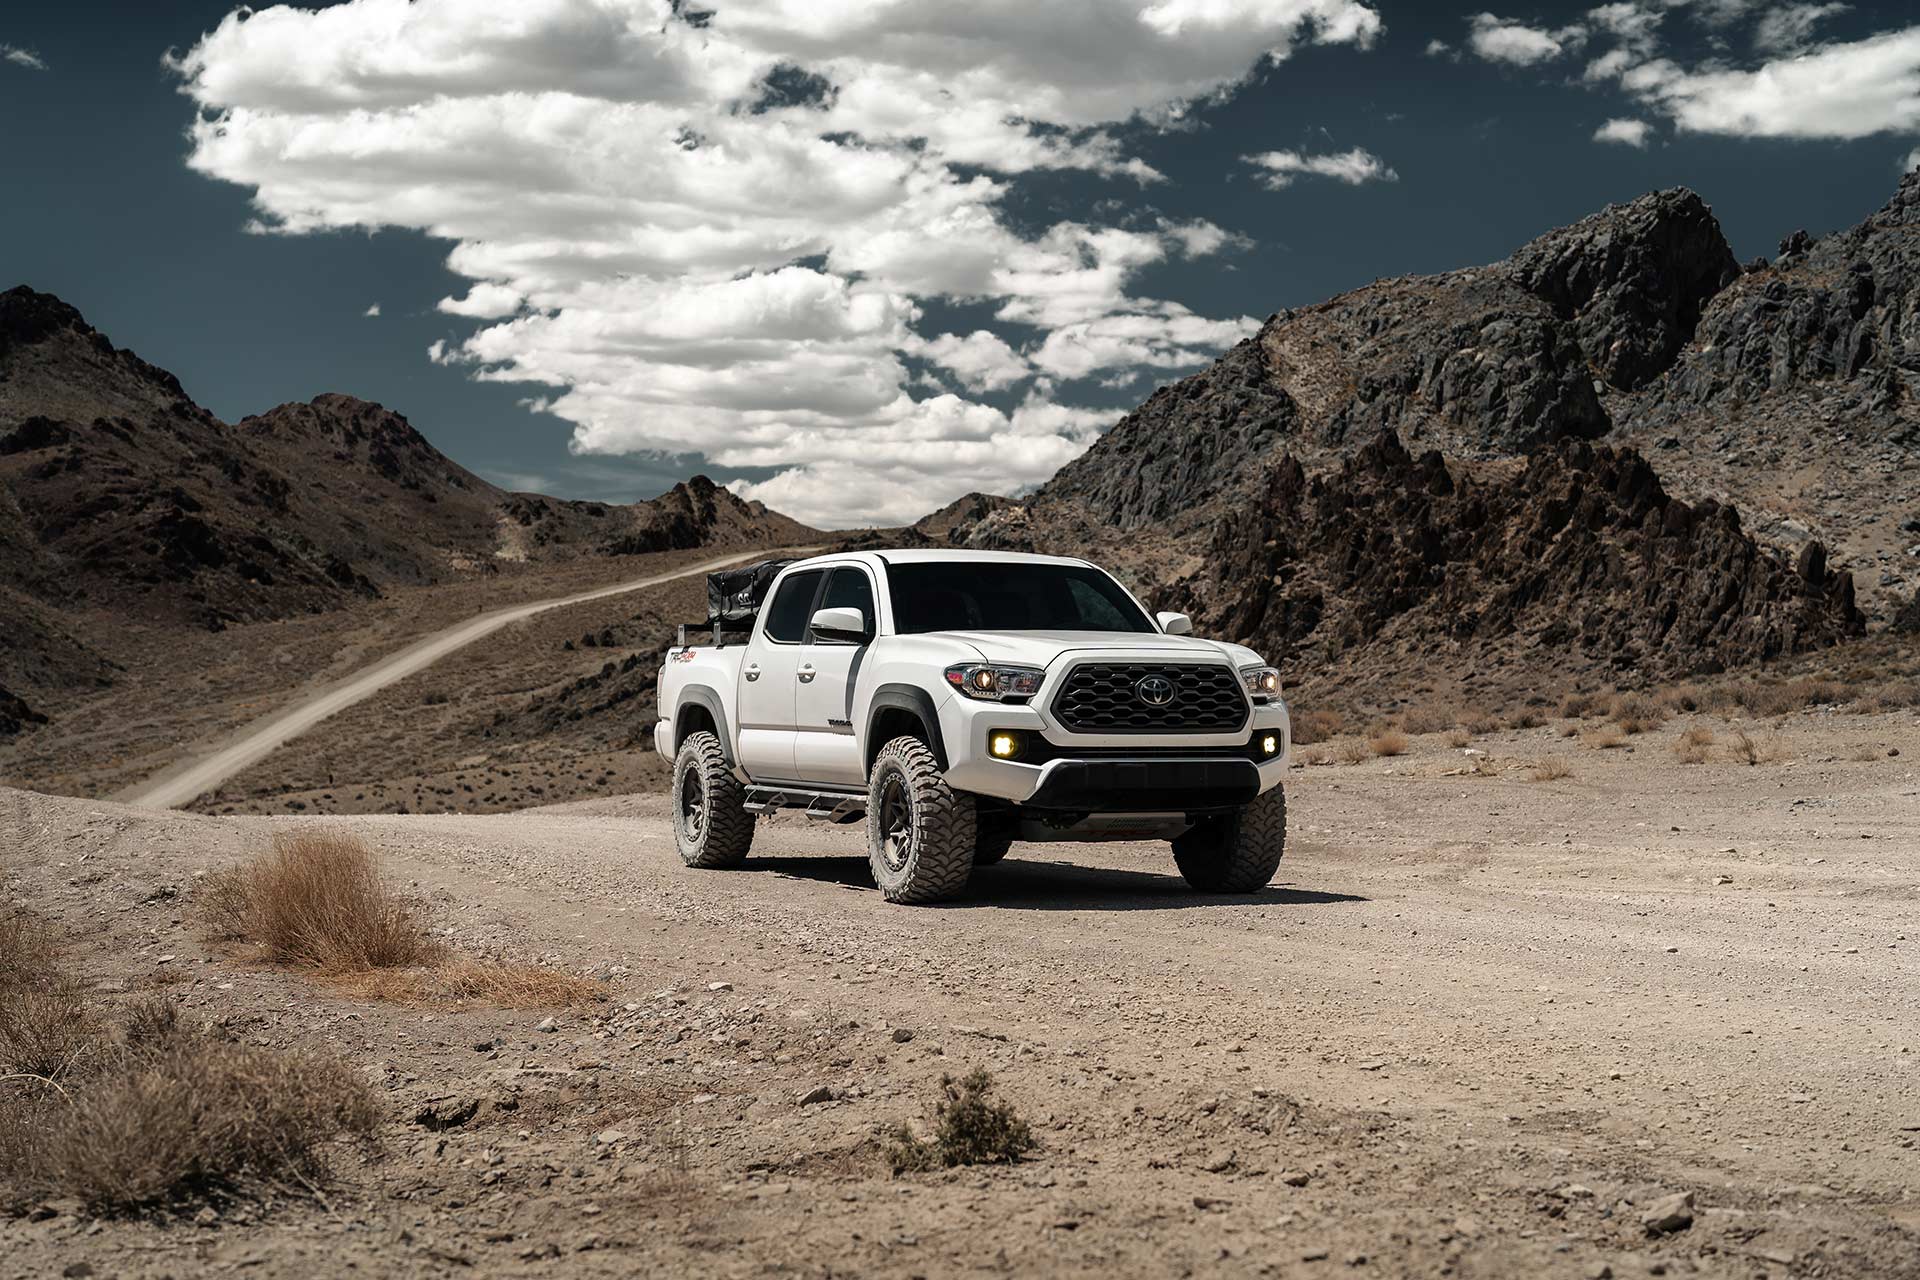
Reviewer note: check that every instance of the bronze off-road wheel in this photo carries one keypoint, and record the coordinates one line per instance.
(920, 831)
(1235, 852)
(710, 826)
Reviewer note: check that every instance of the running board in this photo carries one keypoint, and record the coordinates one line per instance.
(821, 806)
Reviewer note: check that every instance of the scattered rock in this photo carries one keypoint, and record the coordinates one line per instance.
(1668, 1214)
(819, 1093)
(448, 1111)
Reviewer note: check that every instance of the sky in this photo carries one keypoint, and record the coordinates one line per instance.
(856, 258)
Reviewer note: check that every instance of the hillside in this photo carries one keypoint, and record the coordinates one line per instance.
(1614, 455)
(125, 504)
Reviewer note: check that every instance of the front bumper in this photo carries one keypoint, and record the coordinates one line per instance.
(1144, 786)
(1122, 774)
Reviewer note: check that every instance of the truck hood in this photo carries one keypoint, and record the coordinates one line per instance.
(1042, 648)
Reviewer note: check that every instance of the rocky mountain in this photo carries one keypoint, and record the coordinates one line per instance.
(120, 498)
(1616, 451)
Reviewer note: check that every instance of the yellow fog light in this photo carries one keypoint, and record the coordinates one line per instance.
(1270, 744)
(1004, 745)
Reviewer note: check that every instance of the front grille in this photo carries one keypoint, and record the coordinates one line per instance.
(1104, 697)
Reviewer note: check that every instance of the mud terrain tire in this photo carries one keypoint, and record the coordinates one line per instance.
(710, 827)
(920, 831)
(1235, 852)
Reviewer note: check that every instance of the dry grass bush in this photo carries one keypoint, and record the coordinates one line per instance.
(317, 902)
(970, 1127)
(1459, 738)
(1571, 729)
(1387, 742)
(1683, 697)
(163, 1110)
(1864, 753)
(1778, 698)
(45, 1028)
(1580, 706)
(1743, 748)
(1477, 720)
(1691, 746)
(1550, 769)
(1891, 695)
(1351, 751)
(1637, 713)
(1317, 725)
(1606, 738)
(1528, 719)
(1427, 719)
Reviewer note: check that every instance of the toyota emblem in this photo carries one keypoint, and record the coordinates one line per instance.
(1155, 691)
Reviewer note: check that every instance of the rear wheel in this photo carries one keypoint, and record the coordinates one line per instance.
(711, 826)
(1235, 852)
(920, 831)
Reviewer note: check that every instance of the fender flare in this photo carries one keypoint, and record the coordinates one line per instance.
(707, 697)
(909, 698)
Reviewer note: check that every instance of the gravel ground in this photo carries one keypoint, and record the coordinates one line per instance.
(1479, 1026)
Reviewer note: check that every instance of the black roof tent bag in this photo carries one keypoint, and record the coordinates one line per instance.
(735, 595)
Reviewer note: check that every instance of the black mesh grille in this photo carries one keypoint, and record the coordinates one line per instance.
(1104, 697)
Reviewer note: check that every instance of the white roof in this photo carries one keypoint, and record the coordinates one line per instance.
(936, 555)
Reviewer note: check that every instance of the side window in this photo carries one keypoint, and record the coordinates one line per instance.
(850, 589)
(792, 606)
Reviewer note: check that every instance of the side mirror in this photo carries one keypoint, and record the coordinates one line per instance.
(1174, 624)
(839, 624)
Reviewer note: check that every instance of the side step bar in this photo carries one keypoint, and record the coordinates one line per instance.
(822, 806)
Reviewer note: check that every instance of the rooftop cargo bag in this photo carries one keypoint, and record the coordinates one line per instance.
(734, 596)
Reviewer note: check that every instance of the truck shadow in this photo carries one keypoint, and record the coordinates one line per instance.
(1059, 886)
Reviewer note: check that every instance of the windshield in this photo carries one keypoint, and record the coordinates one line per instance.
(987, 595)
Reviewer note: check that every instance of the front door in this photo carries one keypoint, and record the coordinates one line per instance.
(768, 672)
(824, 747)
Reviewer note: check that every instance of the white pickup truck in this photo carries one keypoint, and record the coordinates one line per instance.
(960, 701)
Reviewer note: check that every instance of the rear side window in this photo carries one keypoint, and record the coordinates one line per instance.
(792, 606)
(850, 589)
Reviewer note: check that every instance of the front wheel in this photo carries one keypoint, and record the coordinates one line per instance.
(920, 831)
(1235, 852)
(711, 826)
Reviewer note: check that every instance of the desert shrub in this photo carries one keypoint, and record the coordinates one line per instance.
(1742, 749)
(1579, 706)
(167, 1111)
(45, 1029)
(1459, 738)
(1691, 746)
(317, 900)
(1317, 725)
(1387, 742)
(1351, 751)
(970, 1127)
(1571, 729)
(1477, 720)
(1636, 713)
(1891, 695)
(1781, 698)
(1684, 697)
(1550, 769)
(1529, 719)
(1606, 738)
(1427, 719)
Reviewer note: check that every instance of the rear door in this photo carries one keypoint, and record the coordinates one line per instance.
(824, 747)
(768, 677)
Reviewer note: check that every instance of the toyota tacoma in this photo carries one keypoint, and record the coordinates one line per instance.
(959, 701)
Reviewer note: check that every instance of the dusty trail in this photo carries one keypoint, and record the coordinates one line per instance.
(181, 783)
(1483, 1019)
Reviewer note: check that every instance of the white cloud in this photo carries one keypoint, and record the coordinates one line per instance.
(1849, 90)
(1353, 167)
(22, 57)
(371, 311)
(1632, 133)
(1505, 40)
(689, 263)
(1440, 49)
(1790, 27)
(982, 361)
(1912, 161)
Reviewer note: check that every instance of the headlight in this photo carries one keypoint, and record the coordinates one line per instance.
(993, 683)
(1262, 682)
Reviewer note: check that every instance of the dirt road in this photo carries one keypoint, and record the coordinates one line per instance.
(180, 784)
(1476, 1028)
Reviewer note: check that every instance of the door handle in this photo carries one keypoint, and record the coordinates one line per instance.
(752, 672)
(806, 672)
